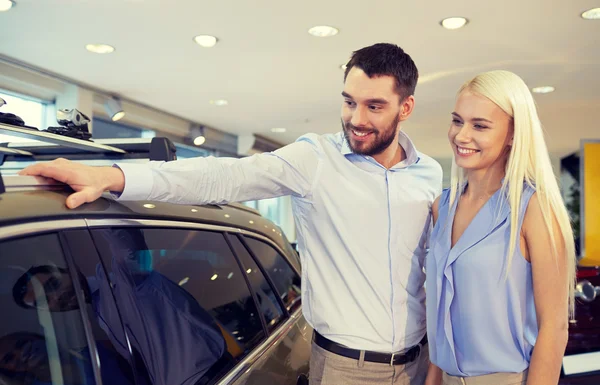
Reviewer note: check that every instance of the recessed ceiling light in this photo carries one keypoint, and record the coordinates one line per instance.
(6, 5)
(149, 206)
(543, 89)
(206, 41)
(454, 22)
(278, 129)
(100, 48)
(219, 102)
(591, 14)
(323, 31)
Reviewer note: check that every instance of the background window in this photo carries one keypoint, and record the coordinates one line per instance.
(184, 301)
(32, 112)
(285, 279)
(42, 339)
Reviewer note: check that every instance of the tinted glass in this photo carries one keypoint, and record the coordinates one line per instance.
(286, 281)
(42, 338)
(115, 356)
(184, 301)
(266, 297)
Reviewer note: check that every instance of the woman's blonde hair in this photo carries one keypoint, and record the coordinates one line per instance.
(528, 162)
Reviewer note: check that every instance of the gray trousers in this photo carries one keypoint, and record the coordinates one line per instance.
(327, 368)
(487, 379)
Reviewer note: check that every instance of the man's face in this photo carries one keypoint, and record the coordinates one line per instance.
(59, 290)
(371, 112)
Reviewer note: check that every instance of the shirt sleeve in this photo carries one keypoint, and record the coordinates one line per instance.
(290, 170)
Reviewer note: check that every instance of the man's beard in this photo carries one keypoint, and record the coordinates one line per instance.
(382, 138)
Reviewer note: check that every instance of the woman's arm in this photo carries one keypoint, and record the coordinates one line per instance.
(551, 293)
(434, 375)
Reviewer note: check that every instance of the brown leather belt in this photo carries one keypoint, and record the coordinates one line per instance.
(384, 358)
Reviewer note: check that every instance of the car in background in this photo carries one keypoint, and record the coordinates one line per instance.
(581, 363)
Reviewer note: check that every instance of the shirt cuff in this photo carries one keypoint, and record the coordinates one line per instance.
(138, 182)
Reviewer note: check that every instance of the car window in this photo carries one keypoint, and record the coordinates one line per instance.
(184, 301)
(266, 297)
(114, 352)
(42, 336)
(285, 279)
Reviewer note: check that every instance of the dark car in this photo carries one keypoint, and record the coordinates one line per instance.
(581, 363)
(145, 293)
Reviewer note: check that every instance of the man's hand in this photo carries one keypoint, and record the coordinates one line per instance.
(88, 182)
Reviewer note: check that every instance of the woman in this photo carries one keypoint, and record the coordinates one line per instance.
(500, 272)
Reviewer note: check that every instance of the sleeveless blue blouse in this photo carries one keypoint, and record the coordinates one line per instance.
(479, 321)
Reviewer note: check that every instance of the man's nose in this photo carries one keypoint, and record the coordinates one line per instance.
(359, 117)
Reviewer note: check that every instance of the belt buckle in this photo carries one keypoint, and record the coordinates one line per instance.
(392, 359)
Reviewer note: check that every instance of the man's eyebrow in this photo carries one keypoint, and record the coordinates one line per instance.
(377, 101)
(368, 101)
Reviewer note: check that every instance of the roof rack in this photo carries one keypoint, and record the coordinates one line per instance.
(48, 146)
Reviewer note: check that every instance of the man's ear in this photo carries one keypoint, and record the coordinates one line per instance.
(406, 108)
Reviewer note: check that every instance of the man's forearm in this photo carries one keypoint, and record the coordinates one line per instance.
(114, 180)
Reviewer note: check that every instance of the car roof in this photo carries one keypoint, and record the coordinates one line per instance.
(33, 199)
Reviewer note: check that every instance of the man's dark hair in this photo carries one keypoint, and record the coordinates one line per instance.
(384, 59)
(20, 287)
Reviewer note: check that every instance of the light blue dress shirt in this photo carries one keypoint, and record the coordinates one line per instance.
(479, 322)
(362, 229)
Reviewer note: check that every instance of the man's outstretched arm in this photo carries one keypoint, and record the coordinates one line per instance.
(291, 170)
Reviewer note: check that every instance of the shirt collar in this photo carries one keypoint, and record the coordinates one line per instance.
(412, 156)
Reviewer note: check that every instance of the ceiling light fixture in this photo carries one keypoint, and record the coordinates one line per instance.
(99, 48)
(6, 5)
(323, 31)
(543, 89)
(219, 102)
(278, 129)
(454, 22)
(591, 14)
(197, 132)
(206, 41)
(114, 109)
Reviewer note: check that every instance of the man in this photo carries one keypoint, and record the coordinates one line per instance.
(361, 201)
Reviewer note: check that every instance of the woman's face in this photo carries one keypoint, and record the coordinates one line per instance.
(480, 133)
